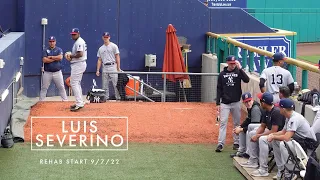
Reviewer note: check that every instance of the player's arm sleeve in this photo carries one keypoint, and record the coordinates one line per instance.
(262, 82)
(256, 114)
(98, 54)
(80, 47)
(279, 120)
(245, 124)
(293, 125)
(44, 53)
(291, 87)
(116, 49)
(219, 89)
(290, 81)
(245, 78)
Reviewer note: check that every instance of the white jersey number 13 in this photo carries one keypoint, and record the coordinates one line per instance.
(278, 78)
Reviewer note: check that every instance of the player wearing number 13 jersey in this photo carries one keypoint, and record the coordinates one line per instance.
(276, 76)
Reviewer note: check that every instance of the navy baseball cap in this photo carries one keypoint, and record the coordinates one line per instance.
(286, 103)
(246, 97)
(278, 56)
(75, 31)
(231, 59)
(106, 34)
(266, 97)
(52, 38)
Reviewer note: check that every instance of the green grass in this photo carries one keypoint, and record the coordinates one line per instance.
(141, 161)
(312, 59)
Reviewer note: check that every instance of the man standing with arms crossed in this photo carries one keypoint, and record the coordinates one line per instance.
(52, 57)
(77, 59)
(229, 93)
(108, 55)
(275, 77)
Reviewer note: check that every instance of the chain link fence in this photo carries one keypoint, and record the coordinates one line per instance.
(155, 87)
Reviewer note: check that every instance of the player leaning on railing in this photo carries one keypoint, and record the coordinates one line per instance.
(276, 76)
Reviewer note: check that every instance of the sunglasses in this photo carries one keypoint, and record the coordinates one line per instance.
(52, 41)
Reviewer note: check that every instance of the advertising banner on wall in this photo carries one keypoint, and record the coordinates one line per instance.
(272, 44)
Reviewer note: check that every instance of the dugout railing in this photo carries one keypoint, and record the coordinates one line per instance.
(223, 46)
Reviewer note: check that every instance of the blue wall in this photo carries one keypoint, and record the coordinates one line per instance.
(235, 21)
(12, 15)
(11, 48)
(138, 27)
(8, 14)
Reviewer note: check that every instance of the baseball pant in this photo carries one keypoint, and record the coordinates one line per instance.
(225, 109)
(276, 98)
(244, 138)
(106, 77)
(260, 151)
(77, 70)
(58, 81)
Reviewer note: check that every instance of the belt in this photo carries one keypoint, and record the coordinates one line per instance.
(108, 64)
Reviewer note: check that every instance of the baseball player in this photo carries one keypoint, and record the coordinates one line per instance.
(109, 56)
(316, 123)
(275, 77)
(229, 93)
(296, 127)
(77, 58)
(255, 115)
(52, 56)
(259, 145)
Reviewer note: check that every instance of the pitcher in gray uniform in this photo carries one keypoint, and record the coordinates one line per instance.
(296, 127)
(52, 57)
(77, 59)
(108, 56)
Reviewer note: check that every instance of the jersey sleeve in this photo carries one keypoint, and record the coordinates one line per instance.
(289, 78)
(98, 53)
(277, 118)
(263, 74)
(116, 49)
(292, 125)
(80, 47)
(44, 53)
(60, 52)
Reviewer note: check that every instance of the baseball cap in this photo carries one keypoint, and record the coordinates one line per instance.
(286, 103)
(278, 56)
(75, 31)
(246, 97)
(52, 38)
(231, 59)
(106, 34)
(266, 97)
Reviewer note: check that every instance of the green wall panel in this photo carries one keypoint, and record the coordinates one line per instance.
(292, 15)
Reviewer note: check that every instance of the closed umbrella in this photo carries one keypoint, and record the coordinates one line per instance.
(173, 60)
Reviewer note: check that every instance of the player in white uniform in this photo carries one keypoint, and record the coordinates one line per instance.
(77, 59)
(296, 127)
(275, 77)
(108, 55)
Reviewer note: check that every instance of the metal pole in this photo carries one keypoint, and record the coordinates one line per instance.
(164, 87)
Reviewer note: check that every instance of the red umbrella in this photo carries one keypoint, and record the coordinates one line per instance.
(173, 60)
